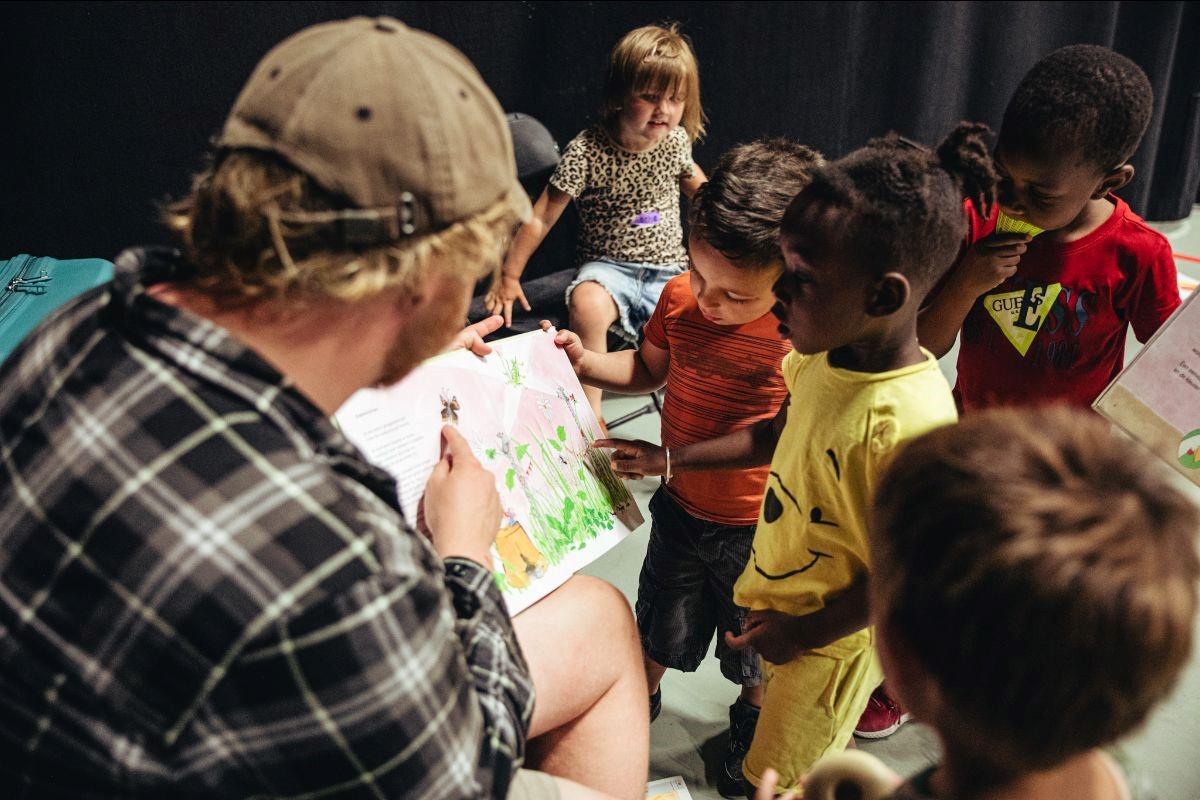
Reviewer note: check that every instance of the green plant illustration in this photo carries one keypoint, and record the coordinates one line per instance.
(573, 509)
(512, 370)
(501, 581)
(597, 461)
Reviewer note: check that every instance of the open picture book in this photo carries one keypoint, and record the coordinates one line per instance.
(668, 789)
(1156, 399)
(523, 412)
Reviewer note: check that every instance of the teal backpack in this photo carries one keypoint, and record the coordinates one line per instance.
(33, 286)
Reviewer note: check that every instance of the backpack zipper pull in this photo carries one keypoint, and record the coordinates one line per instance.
(35, 285)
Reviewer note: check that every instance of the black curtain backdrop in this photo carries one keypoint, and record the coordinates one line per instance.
(109, 106)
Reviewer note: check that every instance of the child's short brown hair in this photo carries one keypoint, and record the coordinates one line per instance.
(660, 58)
(1043, 571)
(739, 210)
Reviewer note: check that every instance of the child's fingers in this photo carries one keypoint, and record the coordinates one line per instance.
(740, 642)
(524, 303)
(623, 448)
(754, 618)
(508, 313)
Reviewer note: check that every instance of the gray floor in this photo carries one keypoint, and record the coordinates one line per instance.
(695, 705)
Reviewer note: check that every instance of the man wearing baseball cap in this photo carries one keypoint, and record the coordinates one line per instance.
(204, 589)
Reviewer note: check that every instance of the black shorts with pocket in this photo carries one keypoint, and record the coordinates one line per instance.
(685, 591)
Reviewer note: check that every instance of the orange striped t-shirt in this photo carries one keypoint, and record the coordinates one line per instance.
(721, 378)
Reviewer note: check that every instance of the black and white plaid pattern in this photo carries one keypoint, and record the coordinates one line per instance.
(206, 591)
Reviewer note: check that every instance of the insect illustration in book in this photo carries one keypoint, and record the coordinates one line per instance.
(450, 407)
(596, 462)
(518, 554)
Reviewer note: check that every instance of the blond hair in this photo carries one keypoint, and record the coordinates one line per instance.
(660, 58)
(234, 232)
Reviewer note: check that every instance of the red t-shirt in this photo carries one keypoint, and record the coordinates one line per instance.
(722, 378)
(1055, 330)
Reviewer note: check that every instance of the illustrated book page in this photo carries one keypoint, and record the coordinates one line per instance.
(1156, 399)
(668, 789)
(523, 412)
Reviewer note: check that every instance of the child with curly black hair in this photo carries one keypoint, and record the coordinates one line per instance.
(1044, 319)
(862, 243)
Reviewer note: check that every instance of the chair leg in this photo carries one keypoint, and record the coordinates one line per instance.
(655, 406)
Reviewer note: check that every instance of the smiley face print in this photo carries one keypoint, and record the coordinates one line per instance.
(780, 506)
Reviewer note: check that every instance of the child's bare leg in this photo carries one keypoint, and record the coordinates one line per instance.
(591, 720)
(654, 673)
(752, 695)
(593, 311)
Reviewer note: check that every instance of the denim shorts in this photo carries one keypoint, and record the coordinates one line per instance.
(685, 591)
(634, 287)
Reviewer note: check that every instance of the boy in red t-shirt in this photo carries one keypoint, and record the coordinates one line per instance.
(716, 346)
(1043, 318)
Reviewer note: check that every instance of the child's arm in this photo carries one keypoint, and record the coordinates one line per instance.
(639, 371)
(780, 637)
(984, 266)
(546, 211)
(1154, 293)
(689, 185)
(751, 446)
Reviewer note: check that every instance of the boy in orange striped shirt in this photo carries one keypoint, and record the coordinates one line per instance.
(715, 345)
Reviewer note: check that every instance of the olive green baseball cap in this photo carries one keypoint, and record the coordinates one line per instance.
(394, 119)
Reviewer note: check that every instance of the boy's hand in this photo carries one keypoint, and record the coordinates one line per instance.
(471, 337)
(989, 262)
(500, 298)
(568, 342)
(634, 458)
(461, 507)
(778, 637)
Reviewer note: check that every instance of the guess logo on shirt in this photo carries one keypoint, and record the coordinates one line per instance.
(646, 219)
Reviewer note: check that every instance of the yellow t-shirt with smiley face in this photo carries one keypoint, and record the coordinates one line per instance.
(842, 427)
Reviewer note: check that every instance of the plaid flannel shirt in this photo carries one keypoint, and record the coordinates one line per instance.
(206, 591)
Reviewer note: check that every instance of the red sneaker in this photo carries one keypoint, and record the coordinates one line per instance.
(882, 718)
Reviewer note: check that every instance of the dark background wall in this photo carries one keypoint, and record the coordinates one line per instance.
(109, 106)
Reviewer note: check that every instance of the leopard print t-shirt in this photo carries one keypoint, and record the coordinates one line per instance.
(628, 202)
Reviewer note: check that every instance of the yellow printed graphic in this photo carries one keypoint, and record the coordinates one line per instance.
(1020, 314)
(1006, 224)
